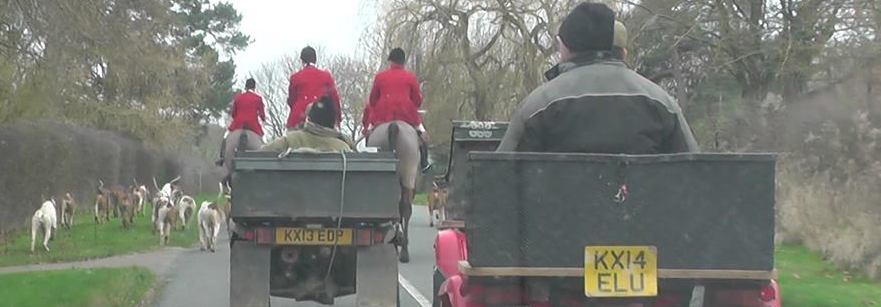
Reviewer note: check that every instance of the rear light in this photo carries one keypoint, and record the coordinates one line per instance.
(768, 293)
(248, 235)
(369, 236)
(265, 235)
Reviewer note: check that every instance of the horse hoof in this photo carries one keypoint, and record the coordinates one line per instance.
(405, 257)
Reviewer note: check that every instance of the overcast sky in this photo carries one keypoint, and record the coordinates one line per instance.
(280, 27)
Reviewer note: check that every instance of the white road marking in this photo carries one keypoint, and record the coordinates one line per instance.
(423, 302)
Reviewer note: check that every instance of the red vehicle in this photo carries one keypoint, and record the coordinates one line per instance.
(593, 230)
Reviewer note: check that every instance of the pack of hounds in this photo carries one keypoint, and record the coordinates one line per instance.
(171, 209)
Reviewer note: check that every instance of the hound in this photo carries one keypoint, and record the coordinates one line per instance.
(102, 204)
(166, 217)
(68, 210)
(437, 200)
(46, 219)
(210, 218)
(224, 198)
(126, 210)
(140, 193)
(186, 206)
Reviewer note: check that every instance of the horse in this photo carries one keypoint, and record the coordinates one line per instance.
(238, 140)
(401, 138)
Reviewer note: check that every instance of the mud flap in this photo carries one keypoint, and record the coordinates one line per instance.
(377, 276)
(697, 296)
(249, 275)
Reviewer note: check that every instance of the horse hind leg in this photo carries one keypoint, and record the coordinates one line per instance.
(406, 210)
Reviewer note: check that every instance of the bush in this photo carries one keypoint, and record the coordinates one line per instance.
(49, 159)
(828, 194)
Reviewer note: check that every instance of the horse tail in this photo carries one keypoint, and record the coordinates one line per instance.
(393, 131)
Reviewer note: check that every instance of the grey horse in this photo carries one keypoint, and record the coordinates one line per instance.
(401, 138)
(236, 140)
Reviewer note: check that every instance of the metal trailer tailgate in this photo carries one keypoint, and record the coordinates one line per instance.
(310, 186)
(701, 211)
(467, 136)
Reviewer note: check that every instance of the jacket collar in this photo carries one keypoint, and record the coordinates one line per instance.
(318, 130)
(582, 59)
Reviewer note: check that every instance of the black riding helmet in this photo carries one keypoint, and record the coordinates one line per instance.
(323, 112)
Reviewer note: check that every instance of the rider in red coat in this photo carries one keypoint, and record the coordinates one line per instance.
(307, 86)
(396, 96)
(247, 110)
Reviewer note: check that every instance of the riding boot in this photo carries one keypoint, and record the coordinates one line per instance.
(423, 154)
(222, 149)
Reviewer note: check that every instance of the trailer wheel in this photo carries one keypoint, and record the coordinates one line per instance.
(436, 283)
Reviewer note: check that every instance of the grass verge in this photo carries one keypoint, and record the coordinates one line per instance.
(806, 280)
(77, 287)
(85, 240)
(420, 199)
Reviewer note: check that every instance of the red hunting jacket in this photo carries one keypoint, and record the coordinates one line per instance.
(307, 86)
(395, 96)
(246, 108)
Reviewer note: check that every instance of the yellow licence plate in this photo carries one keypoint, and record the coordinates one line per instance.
(308, 236)
(620, 271)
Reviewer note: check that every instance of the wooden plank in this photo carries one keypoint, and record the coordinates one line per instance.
(466, 269)
(451, 224)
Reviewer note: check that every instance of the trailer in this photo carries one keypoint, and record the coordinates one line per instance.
(314, 227)
(467, 136)
(548, 229)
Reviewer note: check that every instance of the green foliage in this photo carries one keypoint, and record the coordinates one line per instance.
(209, 27)
(102, 287)
(149, 69)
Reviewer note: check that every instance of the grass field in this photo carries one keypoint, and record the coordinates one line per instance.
(85, 240)
(78, 287)
(420, 199)
(808, 281)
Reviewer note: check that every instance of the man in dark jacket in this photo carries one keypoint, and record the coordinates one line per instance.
(593, 103)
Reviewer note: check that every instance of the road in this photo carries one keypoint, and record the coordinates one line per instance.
(202, 279)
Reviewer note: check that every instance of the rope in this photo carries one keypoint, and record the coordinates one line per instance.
(339, 224)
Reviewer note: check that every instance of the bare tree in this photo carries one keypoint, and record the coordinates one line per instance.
(272, 79)
(354, 78)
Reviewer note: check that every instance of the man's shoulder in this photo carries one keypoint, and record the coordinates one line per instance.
(324, 72)
(253, 94)
(608, 79)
